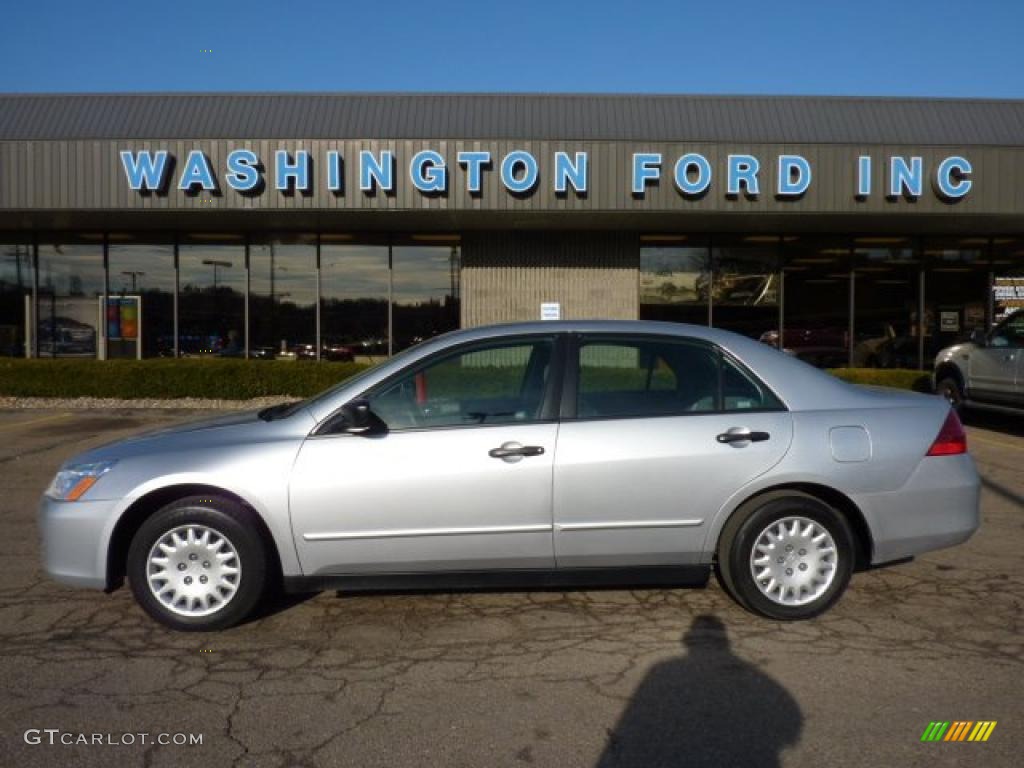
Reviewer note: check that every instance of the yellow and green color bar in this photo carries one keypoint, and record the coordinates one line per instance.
(959, 730)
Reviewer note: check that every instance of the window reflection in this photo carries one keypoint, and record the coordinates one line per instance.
(282, 299)
(71, 277)
(885, 302)
(816, 326)
(745, 288)
(675, 280)
(354, 299)
(145, 270)
(211, 299)
(15, 285)
(425, 292)
(956, 284)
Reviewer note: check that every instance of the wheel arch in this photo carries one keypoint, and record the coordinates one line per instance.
(949, 369)
(142, 508)
(863, 541)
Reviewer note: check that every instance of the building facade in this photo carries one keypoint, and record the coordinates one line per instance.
(866, 232)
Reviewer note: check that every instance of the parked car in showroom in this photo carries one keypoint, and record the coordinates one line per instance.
(987, 371)
(549, 453)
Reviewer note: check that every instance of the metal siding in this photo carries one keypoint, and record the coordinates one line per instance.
(496, 116)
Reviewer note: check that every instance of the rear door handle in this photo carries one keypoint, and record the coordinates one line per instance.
(741, 436)
(515, 450)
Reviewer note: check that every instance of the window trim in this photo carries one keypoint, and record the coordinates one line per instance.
(549, 401)
(571, 378)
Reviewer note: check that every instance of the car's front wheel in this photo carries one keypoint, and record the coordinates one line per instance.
(786, 556)
(198, 564)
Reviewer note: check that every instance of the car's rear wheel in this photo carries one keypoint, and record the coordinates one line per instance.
(950, 389)
(786, 556)
(198, 564)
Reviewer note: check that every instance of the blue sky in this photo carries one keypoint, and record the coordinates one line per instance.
(856, 47)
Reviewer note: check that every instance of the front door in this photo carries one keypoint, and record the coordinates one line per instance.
(665, 430)
(460, 480)
(994, 367)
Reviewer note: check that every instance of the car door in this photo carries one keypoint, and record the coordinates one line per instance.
(657, 433)
(460, 479)
(994, 368)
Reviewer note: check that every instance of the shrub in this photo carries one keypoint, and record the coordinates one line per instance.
(900, 378)
(168, 378)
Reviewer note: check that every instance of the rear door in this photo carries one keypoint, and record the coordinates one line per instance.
(995, 369)
(657, 433)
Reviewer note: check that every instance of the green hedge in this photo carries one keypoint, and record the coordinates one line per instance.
(195, 377)
(242, 379)
(900, 378)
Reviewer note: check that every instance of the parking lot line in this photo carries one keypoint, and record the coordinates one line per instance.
(32, 422)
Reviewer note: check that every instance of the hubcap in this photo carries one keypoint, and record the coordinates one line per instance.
(194, 570)
(793, 561)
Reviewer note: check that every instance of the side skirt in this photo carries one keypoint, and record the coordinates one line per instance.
(459, 581)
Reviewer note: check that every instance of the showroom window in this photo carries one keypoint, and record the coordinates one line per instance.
(675, 279)
(144, 270)
(1007, 294)
(816, 322)
(425, 289)
(354, 295)
(956, 287)
(886, 302)
(282, 298)
(16, 278)
(745, 286)
(71, 280)
(211, 296)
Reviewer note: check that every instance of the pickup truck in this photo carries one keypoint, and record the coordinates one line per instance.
(987, 371)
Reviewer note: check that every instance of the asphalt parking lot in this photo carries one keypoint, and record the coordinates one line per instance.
(643, 678)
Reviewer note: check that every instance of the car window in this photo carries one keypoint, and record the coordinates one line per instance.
(646, 378)
(740, 392)
(488, 384)
(1010, 333)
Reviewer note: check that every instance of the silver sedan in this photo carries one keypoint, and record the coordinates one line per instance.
(552, 453)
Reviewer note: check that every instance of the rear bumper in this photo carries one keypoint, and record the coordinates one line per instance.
(938, 507)
(74, 537)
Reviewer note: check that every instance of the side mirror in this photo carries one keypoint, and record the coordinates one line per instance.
(359, 419)
(979, 337)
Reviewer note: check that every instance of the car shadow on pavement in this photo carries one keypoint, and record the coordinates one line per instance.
(1007, 493)
(706, 708)
(1006, 423)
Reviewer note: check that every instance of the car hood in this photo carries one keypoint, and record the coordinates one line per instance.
(221, 432)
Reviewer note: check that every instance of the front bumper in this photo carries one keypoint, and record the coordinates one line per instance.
(74, 539)
(937, 508)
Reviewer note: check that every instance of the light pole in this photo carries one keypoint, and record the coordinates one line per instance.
(216, 263)
(134, 274)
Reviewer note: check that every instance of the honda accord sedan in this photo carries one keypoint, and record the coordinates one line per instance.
(536, 453)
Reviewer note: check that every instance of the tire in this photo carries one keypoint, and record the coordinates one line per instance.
(951, 389)
(800, 592)
(232, 558)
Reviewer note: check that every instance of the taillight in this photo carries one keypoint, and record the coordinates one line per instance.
(951, 439)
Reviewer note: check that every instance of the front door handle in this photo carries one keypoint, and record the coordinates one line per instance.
(742, 436)
(515, 451)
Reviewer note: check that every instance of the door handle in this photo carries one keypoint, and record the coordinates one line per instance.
(514, 450)
(742, 436)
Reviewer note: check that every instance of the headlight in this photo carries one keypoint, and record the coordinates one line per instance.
(73, 481)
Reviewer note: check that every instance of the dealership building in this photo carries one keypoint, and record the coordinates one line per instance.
(851, 231)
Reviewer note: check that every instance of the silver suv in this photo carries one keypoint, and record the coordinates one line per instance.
(987, 371)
